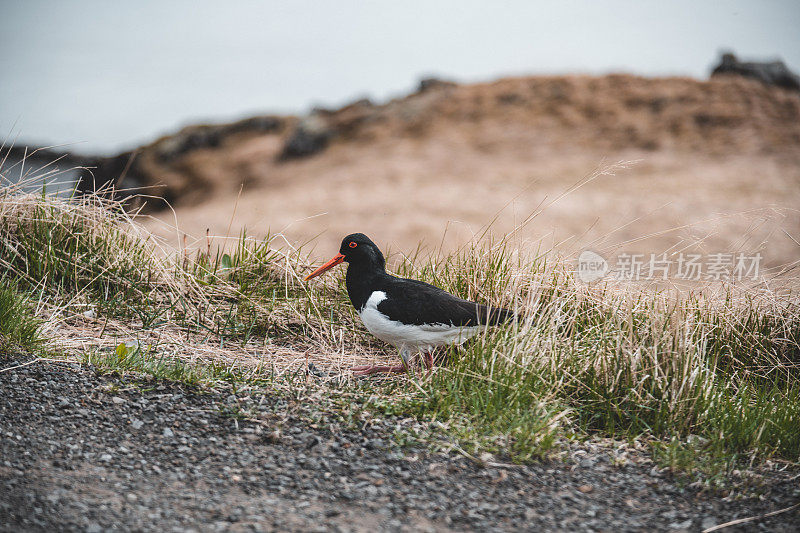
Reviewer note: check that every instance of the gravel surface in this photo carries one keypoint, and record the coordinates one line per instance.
(86, 452)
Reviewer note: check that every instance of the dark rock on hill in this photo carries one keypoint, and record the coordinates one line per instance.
(149, 169)
(426, 84)
(769, 73)
(310, 136)
(211, 136)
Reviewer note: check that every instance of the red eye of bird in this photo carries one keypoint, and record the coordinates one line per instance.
(353, 245)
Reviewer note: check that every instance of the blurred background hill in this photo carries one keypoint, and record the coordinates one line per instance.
(305, 120)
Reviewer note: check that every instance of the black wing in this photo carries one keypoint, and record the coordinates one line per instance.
(415, 302)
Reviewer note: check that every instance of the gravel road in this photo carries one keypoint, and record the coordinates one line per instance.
(81, 451)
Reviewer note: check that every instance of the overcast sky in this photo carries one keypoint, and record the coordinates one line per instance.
(104, 76)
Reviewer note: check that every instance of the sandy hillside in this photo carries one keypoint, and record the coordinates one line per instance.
(717, 169)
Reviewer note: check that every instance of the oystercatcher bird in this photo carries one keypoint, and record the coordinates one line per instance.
(409, 314)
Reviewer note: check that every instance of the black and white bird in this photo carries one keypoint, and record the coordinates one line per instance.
(409, 314)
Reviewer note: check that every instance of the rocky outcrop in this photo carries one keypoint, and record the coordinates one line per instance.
(769, 73)
(426, 84)
(211, 136)
(310, 136)
(155, 170)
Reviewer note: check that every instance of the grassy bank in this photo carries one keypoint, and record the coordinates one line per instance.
(709, 378)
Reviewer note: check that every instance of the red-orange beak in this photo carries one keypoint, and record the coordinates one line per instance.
(338, 258)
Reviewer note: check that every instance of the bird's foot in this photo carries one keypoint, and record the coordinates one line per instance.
(366, 370)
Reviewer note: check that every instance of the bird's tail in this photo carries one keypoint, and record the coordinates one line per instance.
(492, 316)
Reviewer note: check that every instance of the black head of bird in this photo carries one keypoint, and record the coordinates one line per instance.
(358, 251)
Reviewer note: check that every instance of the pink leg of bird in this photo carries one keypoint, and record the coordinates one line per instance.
(366, 370)
(427, 359)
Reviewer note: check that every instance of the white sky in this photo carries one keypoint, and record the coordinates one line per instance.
(105, 76)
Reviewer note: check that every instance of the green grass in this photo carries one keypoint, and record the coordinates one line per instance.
(19, 328)
(134, 358)
(64, 249)
(710, 381)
